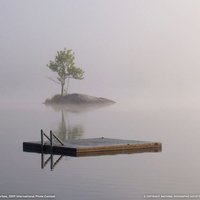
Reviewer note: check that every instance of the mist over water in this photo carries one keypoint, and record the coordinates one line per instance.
(139, 50)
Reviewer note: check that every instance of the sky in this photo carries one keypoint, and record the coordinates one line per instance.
(138, 50)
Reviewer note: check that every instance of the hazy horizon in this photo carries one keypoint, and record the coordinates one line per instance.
(137, 51)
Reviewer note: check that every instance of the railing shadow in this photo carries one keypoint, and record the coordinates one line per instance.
(51, 160)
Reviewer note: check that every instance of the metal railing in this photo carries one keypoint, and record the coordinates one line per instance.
(52, 143)
(51, 139)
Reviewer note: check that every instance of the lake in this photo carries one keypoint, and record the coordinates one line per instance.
(173, 171)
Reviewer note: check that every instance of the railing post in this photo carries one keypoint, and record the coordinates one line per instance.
(51, 140)
(42, 140)
(51, 166)
(42, 160)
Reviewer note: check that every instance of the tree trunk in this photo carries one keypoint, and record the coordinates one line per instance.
(62, 88)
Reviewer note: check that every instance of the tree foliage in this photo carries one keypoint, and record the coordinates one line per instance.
(65, 68)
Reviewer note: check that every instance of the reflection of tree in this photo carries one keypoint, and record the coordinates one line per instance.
(62, 128)
(65, 132)
(76, 132)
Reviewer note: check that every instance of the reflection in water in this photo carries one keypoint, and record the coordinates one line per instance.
(51, 160)
(77, 108)
(67, 132)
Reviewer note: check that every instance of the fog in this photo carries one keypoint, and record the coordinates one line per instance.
(137, 51)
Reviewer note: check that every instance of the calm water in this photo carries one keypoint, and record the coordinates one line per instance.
(175, 170)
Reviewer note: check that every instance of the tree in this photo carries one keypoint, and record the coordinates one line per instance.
(65, 68)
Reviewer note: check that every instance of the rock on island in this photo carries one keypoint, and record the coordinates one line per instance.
(76, 98)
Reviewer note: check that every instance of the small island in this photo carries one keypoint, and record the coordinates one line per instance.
(76, 98)
(65, 69)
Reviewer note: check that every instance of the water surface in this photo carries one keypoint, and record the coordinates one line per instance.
(175, 170)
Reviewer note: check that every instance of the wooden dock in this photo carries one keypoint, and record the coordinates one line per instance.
(91, 147)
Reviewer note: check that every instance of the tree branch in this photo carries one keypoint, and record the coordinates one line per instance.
(53, 80)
